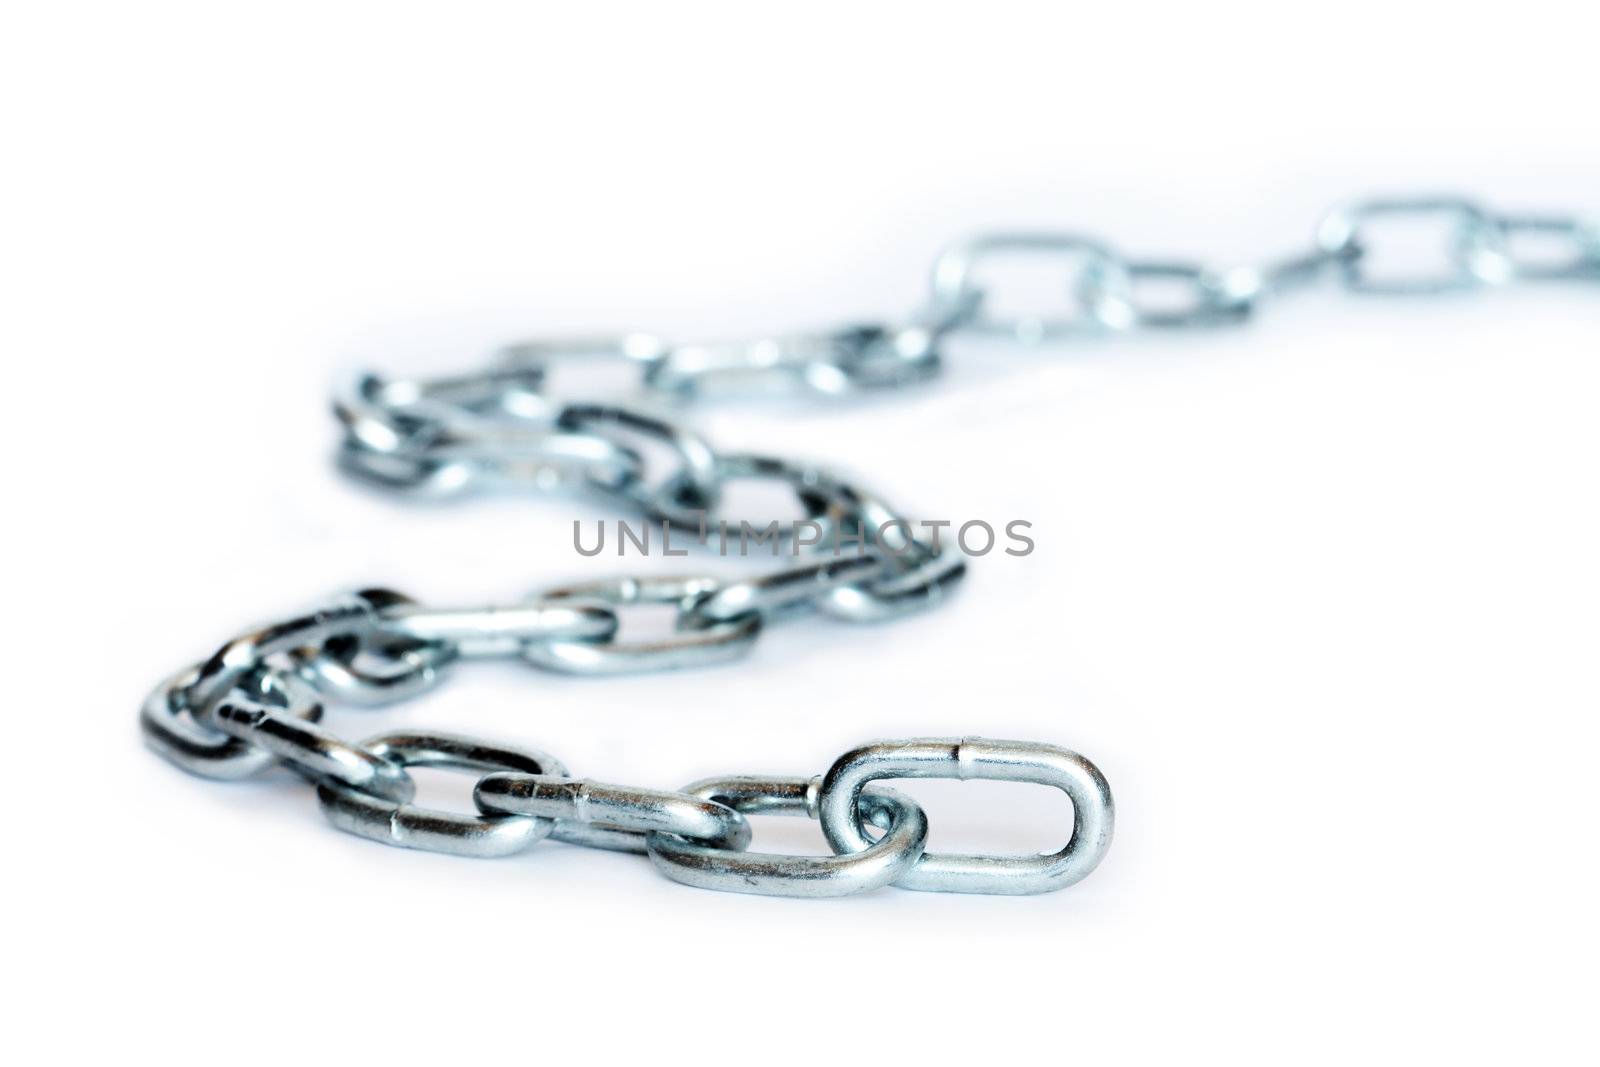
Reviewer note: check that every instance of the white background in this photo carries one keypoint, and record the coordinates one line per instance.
(1318, 595)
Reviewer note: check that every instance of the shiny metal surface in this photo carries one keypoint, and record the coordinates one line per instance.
(261, 712)
(314, 751)
(828, 363)
(714, 642)
(407, 826)
(968, 758)
(779, 593)
(905, 830)
(616, 817)
(345, 616)
(373, 673)
(487, 632)
(170, 729)
(249, 706)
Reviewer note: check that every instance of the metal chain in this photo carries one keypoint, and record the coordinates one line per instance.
(257, 701)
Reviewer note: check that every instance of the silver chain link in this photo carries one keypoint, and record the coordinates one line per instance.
(257, 702)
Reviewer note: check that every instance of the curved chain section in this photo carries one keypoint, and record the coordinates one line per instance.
(502, 427)
(249, 708)
(858, 558)
(254, 703)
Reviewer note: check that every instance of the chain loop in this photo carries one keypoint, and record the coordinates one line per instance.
(170, 729)
(690, 645)
(312, 750)
(537, 359)
(368, 666)
(373, 673)
(495, 632)
(970, 758)
(905, 831)
(1096, 279)
(347, 616)
(1576, 243)
(696, 460)
(781, 592)
(833, 363)
(688, 507)
(614, 817)
(1472, 244)
(1206, 300)
(407, 826)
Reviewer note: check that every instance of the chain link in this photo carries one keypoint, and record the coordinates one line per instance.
(257, 701)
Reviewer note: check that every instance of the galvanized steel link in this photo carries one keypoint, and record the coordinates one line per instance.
(969, 758)
(616, 817)
(171, 730)
(701, 645)
(704, 866)
(402, 824)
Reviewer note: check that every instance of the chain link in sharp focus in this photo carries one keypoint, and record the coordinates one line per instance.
(257, 701)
